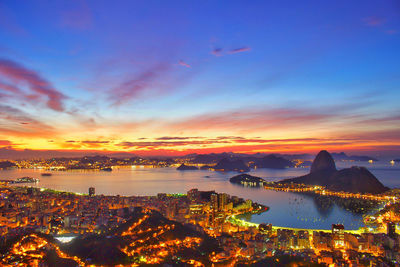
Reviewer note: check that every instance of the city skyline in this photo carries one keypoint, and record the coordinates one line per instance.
(178, 78)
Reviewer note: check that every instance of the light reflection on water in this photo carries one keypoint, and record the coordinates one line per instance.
(286, 209)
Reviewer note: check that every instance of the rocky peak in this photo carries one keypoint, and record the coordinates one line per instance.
(323, 162)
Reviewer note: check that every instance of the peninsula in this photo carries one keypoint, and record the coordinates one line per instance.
(353, 180)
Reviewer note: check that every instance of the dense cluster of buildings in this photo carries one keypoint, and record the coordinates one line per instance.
(27, 209)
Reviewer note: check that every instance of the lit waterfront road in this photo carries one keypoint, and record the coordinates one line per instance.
(240, 222)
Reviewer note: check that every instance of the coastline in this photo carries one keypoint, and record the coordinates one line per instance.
(232, 218)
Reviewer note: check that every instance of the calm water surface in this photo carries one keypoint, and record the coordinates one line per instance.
(286, 209)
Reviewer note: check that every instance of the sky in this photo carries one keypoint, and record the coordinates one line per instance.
(179, 77)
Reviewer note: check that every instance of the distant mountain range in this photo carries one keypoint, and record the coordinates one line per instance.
(343, 156)
(213, 158)
(6, 164)
(244, 164)
(272, 162)
(355, 179)
(227, 164)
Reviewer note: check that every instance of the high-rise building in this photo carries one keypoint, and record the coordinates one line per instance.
(391, 229)
(214, 202)
(338, 235)
(30, 191)
(91, 191)
(171, 210)
(222, 201)
(193, 194)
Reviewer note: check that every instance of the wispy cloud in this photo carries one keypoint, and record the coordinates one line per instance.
(17, 123)
(79, 17)
(40, 87)
(217, 52)
(184, 64)
(240, 50)
(252, 119)
(374, 21)
(391, 32)
(95, 142)
(178, 137)
(137, 85)
(160, 144)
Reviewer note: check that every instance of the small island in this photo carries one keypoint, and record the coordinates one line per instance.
(248, 180)
(184, 167)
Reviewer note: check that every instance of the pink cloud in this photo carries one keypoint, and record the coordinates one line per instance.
(183, 63)
(10, 88)
(18, 74)
(133, 87)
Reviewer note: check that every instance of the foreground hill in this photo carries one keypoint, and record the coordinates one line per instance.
(354, 180)
(146, 238)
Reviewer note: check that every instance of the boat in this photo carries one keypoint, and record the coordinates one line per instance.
(46, 174)
(107, 169)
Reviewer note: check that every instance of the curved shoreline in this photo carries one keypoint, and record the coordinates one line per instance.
(243, 222)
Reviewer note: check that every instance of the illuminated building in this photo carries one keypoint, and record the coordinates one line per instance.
(338, 235)
(91, 191)
(196, 208)
(391, 229)
(222, 201)
(214, 202)
(303, 240)
(193, 194)
(265, 228)
(30, 191)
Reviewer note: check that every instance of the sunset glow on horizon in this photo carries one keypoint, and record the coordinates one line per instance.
(187, 77)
